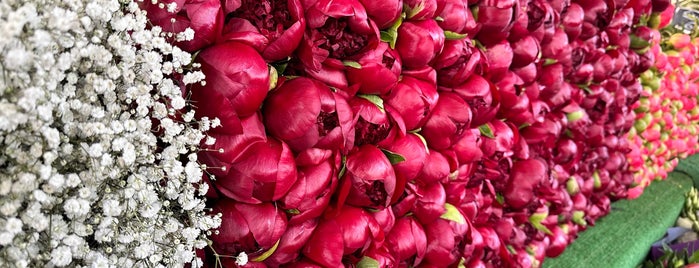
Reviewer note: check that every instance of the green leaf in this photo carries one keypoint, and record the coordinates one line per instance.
(267, 253)
(536, 219)
(368, 262)
(598, 181)
(351, 63)
(579, 217)
(439, 19)
(273, 77)
(411, 12)
(500, 198)
(575, 116)
(424, 142)
(293, 211)
(486, 131)
(548, 62)
(394, 158)
(344, 167)
(454, 36)
(453, 214)
(376, 100)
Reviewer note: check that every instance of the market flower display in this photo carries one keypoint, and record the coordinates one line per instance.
(330, 133)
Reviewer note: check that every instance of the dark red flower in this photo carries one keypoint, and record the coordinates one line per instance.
(407, 240)
(273, 27)
(458, 60)
(378, 71)
(414, 98)
(343, 232)
(291, 242)
(525, 176)
(383, 13)
(430, 203)
(482, 97)
(496, 18)
(456, 17)
(317, 181)
(369, 180)
(450, 118)
(413, 149)
(376, 123)
(265, 171)
(237, 81)
(205, 17)
(248, 228)
(305, 113)
(419, 42)
(443, 241)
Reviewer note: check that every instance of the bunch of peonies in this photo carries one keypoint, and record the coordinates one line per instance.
(429, 133)
(98, 146)
(667, 113)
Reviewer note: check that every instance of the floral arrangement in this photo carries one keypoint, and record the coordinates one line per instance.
(327, 133)
(98, 146)
(431, 133)
(667, 113)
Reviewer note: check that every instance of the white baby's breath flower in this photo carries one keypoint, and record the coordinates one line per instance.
(80, 84)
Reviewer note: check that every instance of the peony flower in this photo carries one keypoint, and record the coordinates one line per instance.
(264, 172)
(525, 51)
(421, 9)
(419, 42)
(430, 202)
(496, 18)
(414, 151)
(291, 242)
(369, 180)
(456, 17)
(458, 60)
(482, 97)
(305, 113)
(237, 81)
(383, 13)
(525, 176)
(377, 72)
(450, 117)
(249, 228)
(316, 183)
(204, 17)
(407, 241)
(337, 30)
(376, 123)
(444, 239)
(413, 98)
(347, 231)
(274, 28)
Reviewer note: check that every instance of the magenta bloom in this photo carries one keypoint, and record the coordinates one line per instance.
(291, 242)
(457, 17)
(525, 51)
(482, 97)
(274, 28)
(525, 176)
(369, 180)
(237, 81)
(317, 181)
(430, 203)
(448, 121)
(407, 240)
(344, 232)
(419, 42)
(375, 124)
(443, 242)
(414, 98)
(205, 17)
(421, 9)
(496, 18)
(458, 60)
(383, 13)
(413, 150)
(264, 172)
(379, 70)
(500, 58)
(247, 228)
(436, 168)
(305, 113)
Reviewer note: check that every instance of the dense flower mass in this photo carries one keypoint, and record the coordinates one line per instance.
(328, 133)
(436, 134)
(665, 129)
(98, 146)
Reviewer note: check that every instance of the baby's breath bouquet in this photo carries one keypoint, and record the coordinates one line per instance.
(98, 145)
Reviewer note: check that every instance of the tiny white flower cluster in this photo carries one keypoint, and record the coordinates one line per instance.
(98, 164)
